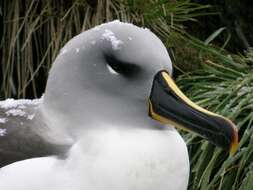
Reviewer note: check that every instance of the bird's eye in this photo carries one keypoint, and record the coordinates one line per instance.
(117, 66)
(111, 70)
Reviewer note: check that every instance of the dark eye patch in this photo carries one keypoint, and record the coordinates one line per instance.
(125, 68)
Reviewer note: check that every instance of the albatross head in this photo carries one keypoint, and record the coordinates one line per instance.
(118, 74)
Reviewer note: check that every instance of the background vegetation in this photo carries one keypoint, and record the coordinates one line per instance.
(209, 44)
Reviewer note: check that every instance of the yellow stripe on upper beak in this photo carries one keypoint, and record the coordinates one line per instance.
(180, 94)
(229, 129)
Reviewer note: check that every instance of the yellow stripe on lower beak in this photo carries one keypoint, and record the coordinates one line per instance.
(168, 104)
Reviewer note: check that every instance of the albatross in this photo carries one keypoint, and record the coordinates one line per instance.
(108, 117)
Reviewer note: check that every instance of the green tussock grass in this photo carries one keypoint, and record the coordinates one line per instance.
(223, 83)
(34, 32)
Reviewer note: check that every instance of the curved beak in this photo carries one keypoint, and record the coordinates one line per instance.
(169, 105)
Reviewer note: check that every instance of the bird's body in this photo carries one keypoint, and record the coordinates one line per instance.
(24, 134)
(108, 159)
(103, 90)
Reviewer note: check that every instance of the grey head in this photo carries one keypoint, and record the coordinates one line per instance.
(104, 75)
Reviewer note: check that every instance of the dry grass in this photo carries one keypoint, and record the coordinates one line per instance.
(34, 31)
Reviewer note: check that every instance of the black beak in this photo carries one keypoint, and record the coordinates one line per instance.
(168, 104)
